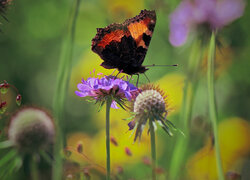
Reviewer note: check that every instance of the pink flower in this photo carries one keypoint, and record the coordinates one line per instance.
(214, 14)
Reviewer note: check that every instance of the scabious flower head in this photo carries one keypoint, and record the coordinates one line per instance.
(207, 15)
(31, 129)
(150, 104)
(101, 88)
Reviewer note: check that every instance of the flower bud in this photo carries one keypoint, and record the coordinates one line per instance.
(86, 173)
(146, 160)
(3, 107)
(67, 153)
(113, 141)
(128, 151)
(18, 99)
(79, 147)
(31, 129)
(233, 176)
(131, 125)
(159, 170)
(4, 87)
(119, 170)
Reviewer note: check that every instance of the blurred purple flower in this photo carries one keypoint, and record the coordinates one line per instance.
(190, 13)
(99, 88)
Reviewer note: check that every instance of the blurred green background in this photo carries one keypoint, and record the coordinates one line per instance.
(30, 47)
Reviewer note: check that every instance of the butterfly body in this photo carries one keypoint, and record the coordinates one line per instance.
(124, 46)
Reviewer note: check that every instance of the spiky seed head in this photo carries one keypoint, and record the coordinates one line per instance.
(31, 129)
(149, 101)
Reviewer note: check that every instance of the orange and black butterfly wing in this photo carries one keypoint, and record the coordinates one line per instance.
(124, 46)
(141, 28)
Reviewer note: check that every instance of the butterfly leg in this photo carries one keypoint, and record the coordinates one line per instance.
(112, 73)
(118, 73)
(137, 80)
(130, 78)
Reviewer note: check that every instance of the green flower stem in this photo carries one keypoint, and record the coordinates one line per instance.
(212, 104)
(34, 168)
(186, 112)
(182, 142)
(153, 149)
(61, 89)
(108, 104)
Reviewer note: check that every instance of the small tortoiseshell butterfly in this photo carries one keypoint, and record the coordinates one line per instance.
(124, 46)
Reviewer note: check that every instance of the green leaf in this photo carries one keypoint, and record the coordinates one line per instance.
(121, 105)
(171, 125)
(10, 167)
(46, 157)
(18, 163)
(6, 144)
(9, 156)
(101, 105)
(129, 118)
(166, 128)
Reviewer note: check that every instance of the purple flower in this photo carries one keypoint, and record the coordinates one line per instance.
(99, 88)
(192, 13)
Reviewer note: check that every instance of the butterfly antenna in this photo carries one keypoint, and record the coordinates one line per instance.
(146, 77)
(160, 65)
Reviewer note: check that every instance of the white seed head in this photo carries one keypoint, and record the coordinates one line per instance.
(149, 101)
(31, 129)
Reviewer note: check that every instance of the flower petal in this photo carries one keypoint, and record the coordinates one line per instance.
(83, 87)
(81, 94)
(178, 34)
(180, 20)
(114, 105)
(227, 11)
(128, 95)
(123, 85)
(93, 82)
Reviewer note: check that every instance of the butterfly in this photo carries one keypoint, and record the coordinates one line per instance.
(124, 46)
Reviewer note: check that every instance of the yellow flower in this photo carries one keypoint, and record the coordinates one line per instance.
(234, 143)
(125, 152)
(234, 134)
(173, 84)
(73, 142)
(120, 10)
(79, 149)
(122, 149)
